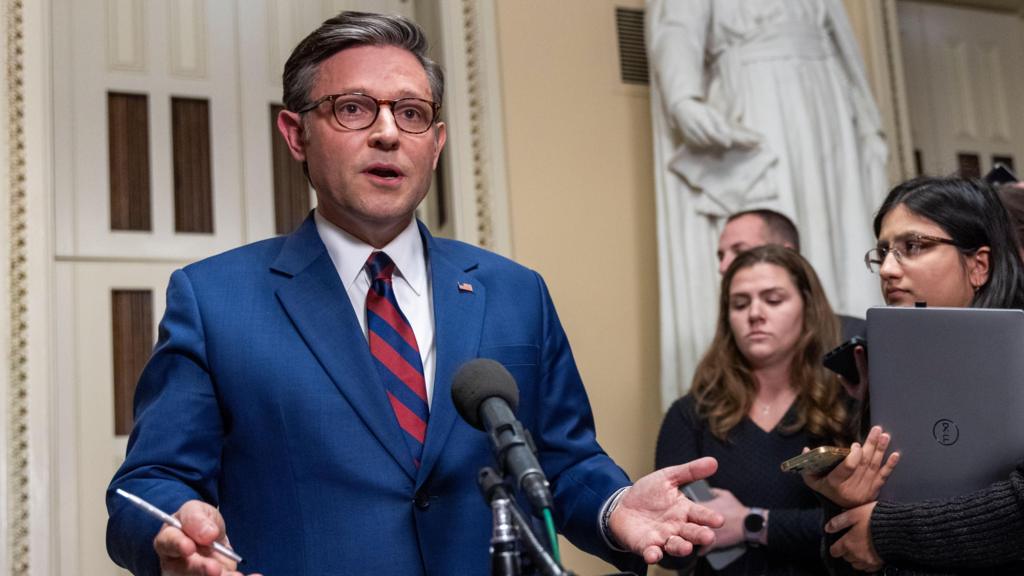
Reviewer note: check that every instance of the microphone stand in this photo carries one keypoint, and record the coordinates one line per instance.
(504, 542)
(492, 486)
(505, 554)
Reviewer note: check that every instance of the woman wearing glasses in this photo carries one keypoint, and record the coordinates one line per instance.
(759, 396)
(947, 242)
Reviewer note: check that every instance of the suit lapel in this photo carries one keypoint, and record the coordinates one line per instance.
(318, 305)
(458, 320)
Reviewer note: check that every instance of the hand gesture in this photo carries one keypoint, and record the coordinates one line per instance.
(187, 552)
(653, 517)
(855, 546)
(703, 127)
(859, 477)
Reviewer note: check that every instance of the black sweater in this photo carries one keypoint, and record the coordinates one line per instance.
(979, 533)
(748, 466)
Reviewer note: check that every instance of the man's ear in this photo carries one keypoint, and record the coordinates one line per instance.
(440, 137)
(978, 267)
(290, 125)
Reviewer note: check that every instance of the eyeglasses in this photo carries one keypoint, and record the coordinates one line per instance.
(357, 111)
(904, 249)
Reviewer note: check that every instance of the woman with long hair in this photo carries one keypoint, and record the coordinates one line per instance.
(947, 242)
(759, 396)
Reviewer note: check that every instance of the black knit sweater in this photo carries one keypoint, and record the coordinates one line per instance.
(979, 533)
(748, 466)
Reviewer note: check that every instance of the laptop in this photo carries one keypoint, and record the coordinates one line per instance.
(948, 385)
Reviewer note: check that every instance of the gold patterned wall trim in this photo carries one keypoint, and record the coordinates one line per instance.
(17, 448)
(481, 191)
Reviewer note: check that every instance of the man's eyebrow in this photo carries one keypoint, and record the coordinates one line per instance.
(399, 94)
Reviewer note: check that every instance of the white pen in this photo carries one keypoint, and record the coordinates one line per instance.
(172, 521)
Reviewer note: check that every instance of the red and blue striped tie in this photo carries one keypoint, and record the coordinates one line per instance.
(393, 346)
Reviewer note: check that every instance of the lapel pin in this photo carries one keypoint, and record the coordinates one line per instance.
(465, 287)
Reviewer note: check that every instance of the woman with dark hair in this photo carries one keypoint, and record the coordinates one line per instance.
(946, 242)
(965, 214)
(759, 396)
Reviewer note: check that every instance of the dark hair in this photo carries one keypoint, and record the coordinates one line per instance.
(1012, 198)
(969, 210)
(779, 226)
(347, 30)
(724, 386)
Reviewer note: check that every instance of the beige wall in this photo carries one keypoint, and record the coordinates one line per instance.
(581, 194)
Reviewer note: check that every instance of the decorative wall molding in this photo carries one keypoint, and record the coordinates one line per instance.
(877, 29)
(126, 43)
(481, 192)
(476, 128)
(902, 146)
(17, 482)
(188, 31)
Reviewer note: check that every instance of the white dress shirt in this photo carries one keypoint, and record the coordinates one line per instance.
(411, 282)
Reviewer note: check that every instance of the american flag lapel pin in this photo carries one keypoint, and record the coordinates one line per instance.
(465, 287)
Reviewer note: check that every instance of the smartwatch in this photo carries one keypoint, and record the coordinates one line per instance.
(755, 527)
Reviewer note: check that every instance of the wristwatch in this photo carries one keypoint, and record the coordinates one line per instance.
(755, 527)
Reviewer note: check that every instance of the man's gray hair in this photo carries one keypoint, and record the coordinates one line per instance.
(347, 30)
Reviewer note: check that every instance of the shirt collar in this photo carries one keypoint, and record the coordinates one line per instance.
(349, 253)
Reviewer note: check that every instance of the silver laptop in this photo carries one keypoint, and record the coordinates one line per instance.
(948, 385)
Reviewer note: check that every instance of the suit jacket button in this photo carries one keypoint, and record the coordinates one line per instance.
(422, 501)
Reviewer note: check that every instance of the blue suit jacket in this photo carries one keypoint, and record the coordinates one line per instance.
(261, 398)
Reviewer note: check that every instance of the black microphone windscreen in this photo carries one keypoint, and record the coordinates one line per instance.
(478, 380)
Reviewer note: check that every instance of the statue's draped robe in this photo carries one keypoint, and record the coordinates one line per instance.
(789, 70)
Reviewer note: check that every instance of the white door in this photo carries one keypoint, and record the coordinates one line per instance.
(130, 71)
(963, 70)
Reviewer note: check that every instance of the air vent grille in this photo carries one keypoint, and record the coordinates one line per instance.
(632, 49)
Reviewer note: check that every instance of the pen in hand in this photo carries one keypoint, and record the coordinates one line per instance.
(172, 521)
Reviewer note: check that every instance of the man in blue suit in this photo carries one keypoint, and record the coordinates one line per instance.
(298, 399)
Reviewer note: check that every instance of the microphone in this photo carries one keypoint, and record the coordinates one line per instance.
(486, 396)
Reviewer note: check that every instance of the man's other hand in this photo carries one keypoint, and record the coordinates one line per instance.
(188, 552)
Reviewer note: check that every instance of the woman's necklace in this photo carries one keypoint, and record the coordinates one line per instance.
(766, 407)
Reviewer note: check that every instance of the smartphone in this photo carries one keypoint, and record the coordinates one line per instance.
(841, 361)
(700, 491)
(819, 461)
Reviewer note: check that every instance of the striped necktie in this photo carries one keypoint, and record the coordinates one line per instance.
(394, 349)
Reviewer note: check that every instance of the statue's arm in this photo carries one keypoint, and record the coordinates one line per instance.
(677, 35)
(678, 32)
